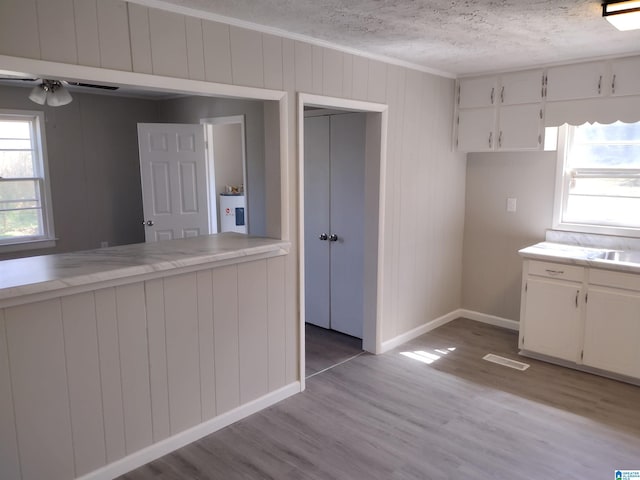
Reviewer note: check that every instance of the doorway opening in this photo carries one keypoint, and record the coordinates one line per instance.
(342, 146)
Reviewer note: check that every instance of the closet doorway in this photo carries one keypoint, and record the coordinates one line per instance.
(341, 159)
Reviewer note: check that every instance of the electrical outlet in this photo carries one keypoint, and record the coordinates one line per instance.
(104, 244)
(512, 204)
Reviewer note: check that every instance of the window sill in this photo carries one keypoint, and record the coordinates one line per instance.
(28, 245)
(597, 229)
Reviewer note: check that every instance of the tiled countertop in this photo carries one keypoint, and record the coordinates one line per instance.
(47, 273)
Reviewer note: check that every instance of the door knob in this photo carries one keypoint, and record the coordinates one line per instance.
(323, 236)
(333, 237)
(148, 223)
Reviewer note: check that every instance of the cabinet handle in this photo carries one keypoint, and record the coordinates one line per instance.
(490, 139)
(577, 294)
(492, 92)
(600, 85)
(554, 272)
(500, 139)
(613, 84)
(502, 95)
(539, 139)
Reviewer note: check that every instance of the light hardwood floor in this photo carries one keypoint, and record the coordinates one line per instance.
(326, 348)
(392, 417)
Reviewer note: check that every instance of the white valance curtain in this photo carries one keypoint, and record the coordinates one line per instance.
(600, 110)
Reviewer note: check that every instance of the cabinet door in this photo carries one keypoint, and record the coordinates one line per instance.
(584, 80)
(521, 87)
(520, 127)
(551, 320)
(626, 76)
(477, 92)
(475, 129)
(612, 331)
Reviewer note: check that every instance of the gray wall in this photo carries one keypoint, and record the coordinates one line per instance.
(192, 109)
(92, 148)
(492, 268)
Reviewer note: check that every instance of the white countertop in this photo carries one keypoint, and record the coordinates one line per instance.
(577, 255)
(46, 273)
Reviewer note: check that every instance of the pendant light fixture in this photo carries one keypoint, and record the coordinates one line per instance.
(624, 15)
(51, 92)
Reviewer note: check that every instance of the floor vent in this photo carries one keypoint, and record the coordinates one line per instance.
(507, 362)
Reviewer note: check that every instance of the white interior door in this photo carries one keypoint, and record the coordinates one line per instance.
(334, 206)
(173, 170)
(316, 220)
(347, 222)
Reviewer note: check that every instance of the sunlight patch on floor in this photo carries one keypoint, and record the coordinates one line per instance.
(428, 357)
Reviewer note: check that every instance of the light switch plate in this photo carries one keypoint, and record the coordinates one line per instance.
(512, 204)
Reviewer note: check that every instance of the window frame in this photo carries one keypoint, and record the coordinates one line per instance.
(563, 178)
(39, 146)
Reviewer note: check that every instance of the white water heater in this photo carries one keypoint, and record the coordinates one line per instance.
(232, 213)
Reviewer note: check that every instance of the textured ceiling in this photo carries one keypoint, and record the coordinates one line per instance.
(455, 36)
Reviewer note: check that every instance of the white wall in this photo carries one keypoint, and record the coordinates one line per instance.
(425, 179)
(492, 236)
(227, 154)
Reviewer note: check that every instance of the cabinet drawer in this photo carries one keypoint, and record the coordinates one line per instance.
(556, 270)
(607, 278)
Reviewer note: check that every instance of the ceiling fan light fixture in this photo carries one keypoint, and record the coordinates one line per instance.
(51, 92)
(624, 15)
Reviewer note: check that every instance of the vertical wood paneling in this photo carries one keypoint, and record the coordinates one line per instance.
(253, 328)
(134, 361)
(360, 78)
(332, 73)
(195, 48)
(277, 325)
(9, 460)
(289, 69)
(107, 324)
(225, 326)
(273, 58)
(86, 23)
(317, 59)
(347, 76)
(140, 38)
(304, 67)
(57, 31)
(36, 351)
(83, 372)
(377, 82)
(247, 62)
(168, 44)
(217, 52)
(113, 28)
(19, 34)
(183, 358)
(205, 336)
(154, 295)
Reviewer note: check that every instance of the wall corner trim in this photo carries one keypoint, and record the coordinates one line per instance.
(157, 450)
(489, 319)
(438, 322)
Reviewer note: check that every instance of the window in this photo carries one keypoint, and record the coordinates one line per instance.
(25, 205)
(599, 179)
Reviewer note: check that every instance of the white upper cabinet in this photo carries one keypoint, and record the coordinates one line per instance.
(520, 127)
(625, 76)
(521, 87)
(477, 92)
(572, 82)
(476, 129)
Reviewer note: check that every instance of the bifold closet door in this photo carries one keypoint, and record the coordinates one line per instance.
(316, 220)
(334, 149)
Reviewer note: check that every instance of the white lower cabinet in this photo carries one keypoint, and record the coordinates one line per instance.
(589, 317)
(552, 318)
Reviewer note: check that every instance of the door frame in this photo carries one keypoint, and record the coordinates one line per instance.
(211, 164)
(375, 188)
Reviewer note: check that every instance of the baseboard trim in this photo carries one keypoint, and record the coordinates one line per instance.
(416, 332)
(157, 450)
(489, 319)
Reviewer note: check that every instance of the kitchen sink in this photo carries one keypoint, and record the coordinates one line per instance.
(623, 256)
